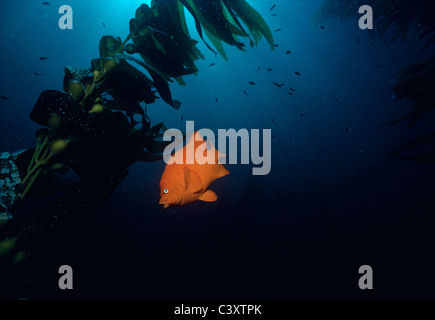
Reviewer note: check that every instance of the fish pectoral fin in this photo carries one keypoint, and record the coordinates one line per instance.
(192, 181)
(208, 196)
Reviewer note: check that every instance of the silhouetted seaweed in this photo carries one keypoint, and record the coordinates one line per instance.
(98, 126)
(403, 20)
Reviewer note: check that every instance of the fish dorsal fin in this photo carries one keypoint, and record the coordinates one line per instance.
(192, 143)
(192, 181)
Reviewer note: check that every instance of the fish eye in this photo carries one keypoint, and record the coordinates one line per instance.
(165, 191)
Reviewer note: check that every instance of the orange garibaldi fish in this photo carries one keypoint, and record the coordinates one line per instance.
(184, 183)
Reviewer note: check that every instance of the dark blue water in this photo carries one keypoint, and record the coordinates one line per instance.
(332, 202)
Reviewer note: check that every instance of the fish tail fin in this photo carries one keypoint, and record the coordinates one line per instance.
(221, 155)
(222, 172)
(208, 196)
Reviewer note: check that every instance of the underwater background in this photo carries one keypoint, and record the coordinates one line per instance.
(334, 200)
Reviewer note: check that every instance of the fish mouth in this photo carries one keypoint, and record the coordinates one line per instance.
(165, 205)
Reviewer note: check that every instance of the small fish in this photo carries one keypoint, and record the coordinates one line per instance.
(36, 74)
(182, 117)
(273, 7)
(275, 46)
(43, 58)
(273, 135)
(269, 69)
(45, 3)
(290, 93)
(277, 30)
(216, 99)
(336, 100)
(322, 27)
(182, 183)
(358, 40)
(277, 84)
(4, 98)
(348, 129)
(288, 52)
(252, 83)
(104, 25)
(273, 15)
(297, 73)
(292, 89)
(273, 120)
(211, 65)
(302, 115)
(258, 69)
(245, 92)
